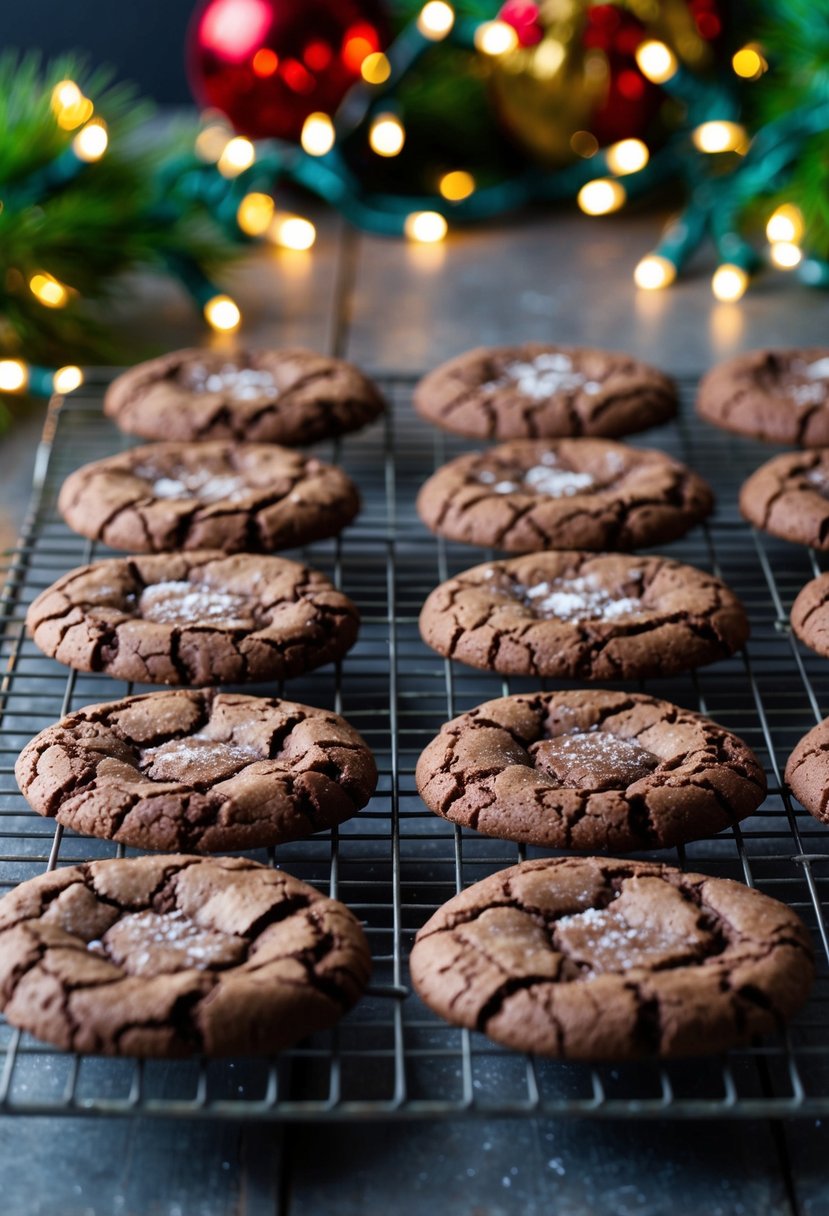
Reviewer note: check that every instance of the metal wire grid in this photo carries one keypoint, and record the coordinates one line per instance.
(395, 863)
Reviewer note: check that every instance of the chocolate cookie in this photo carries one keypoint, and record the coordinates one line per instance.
(807, 771)
(810, 614)
(248, 497)
(597, 959)
(788, 496)
(538, 391)
(175, 956)
(579, 615)
(574, 493)
(195, 618)
(198, 771)
(781, 396)
(589, 770)
(272, 396)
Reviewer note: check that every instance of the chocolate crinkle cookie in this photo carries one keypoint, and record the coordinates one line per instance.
(539, 391)
(270, 396)
(807, 771)
(198, 771)
(195, 618)
(810, 614)
(780, 396)
(788, 496)
(251, 497)
(584, 616)
(589, 770)
(569, 494)
(598, 959)
(174, 956)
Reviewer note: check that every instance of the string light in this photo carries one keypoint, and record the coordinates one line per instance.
(238, 155)
(456, 185)
(656, 61)
(91, 141)
(386, 135)
(14, 375)
(749, 62)
(222, 314)
(67, 379)
(495, 38)
(786, 255)
(211, 141)
(70, 107)
(436, 20)
(785, 224)
(317, 136)
(729, 282)
(375, 68)
(48, 290)
(425, 227)
(255, 213)
(654, 272)
(627, 156)
(601, 196)
(720, 136)
(292, 232)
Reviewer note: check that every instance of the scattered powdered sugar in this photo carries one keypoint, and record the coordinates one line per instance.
(580, 599)
(183, 603)
(195, 483)
(816, 388)
(602, 938)
(543, 376)
(150, 943)
(593, 760)
(196, 758)
(819, 478)
(587, 745)
(559, 483)
(231, 380)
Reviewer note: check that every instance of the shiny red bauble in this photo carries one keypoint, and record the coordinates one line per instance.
(268, 64)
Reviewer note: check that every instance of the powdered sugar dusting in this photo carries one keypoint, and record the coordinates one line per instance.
(196, 758)
(603, 939)
(559, 483)
(815, 390)
(232, 381)
(154, 943)
(580, 599)
(544, 376)
(183, 603)
(195, 483)
(819, 478)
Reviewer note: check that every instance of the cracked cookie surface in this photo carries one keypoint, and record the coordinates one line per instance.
(600, 959)
(584, 616)
(807, 771)
(810, 615)
(176, 955)
(589, 770)
(271, 396)
(780, 396)
(788, 496)
(195, 618)
(198, 771)
(248, 498)
(538, 391)
(571, 494)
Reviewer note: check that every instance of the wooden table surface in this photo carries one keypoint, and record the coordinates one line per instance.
(386, 304)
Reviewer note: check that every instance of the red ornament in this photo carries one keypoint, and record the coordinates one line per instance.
(268, 64)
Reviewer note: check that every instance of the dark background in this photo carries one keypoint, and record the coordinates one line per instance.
(142, 39)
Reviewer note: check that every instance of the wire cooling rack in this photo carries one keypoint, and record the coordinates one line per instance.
(396, 862)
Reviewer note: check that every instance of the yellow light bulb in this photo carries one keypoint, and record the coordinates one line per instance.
(292, 232)
(654, 272)
(386, 135)
(426, 227)
(91, 141)
(786, 255)
(48, 290)
(70, 107)
(627, 156)
(212, 141)
(375, 68)
(14, 375)
(729, 282)
(656, 61)
(255, 213)
(436, 20)
(67, 379)
(238, 154)
(601, 196)
(749, 62)
(317, 136)
(720, 136)
(495, 38)
(222, 314)
(785, 224)
(456, 185)
(65, 94)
